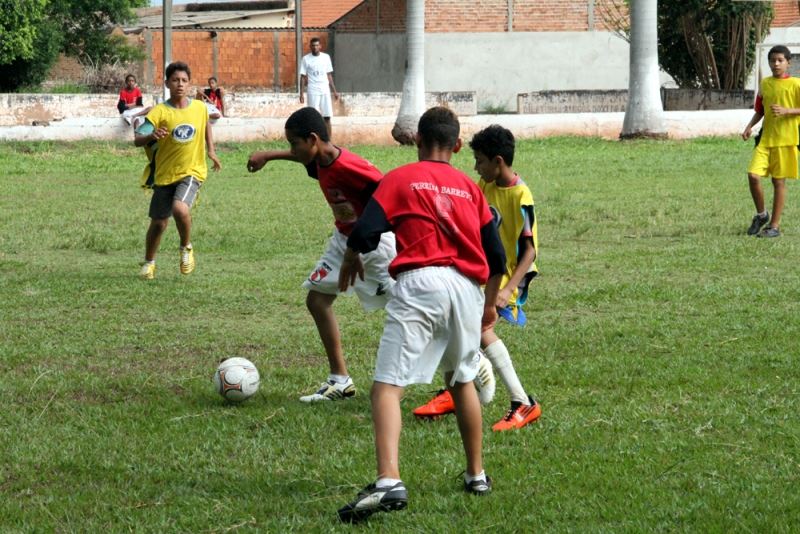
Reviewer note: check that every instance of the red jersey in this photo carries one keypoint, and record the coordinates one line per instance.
(215, 97)
(347, 184)
(436, 213)
(130, 97)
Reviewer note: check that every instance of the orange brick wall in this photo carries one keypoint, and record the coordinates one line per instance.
(477, 16)
(245, 59)
(787, 13)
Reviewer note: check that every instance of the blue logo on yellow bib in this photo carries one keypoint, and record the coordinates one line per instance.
(183, 133)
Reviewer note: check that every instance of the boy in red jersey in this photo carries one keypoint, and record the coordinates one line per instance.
(130, 103)
(445, 235)
(775, 154)
(130, 96)
(347, 181)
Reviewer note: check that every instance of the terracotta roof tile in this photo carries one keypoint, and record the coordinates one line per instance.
(321, 13)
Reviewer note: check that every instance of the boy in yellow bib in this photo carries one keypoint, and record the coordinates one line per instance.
(180, 129)
(775, 154)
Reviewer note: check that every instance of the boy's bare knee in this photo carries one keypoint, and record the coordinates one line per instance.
(159, 224)
(754, 178)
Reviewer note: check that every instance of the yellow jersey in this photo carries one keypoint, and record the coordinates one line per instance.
(513, 210)
(780, 131)
(182, 152)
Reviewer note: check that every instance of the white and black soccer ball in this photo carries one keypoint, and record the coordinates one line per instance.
(236, 379)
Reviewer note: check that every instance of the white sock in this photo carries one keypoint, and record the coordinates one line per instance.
(501, 360)
(339, 379)
(386, 482)
(150, 261)
(469, 478)
(187, 247)
(763, 213)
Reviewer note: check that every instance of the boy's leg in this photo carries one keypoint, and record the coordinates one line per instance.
(320, 305)
(756, 191)
(777, 202)
(183, 221)
(153, 237)
(468, 414)
(387, 423)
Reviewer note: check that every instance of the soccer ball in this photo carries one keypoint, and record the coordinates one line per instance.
(236, 379)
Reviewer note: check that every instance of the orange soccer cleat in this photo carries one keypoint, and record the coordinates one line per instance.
(519, 415)
(442, 404)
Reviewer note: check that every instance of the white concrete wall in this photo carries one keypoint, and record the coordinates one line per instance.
(377, 130)
(25, 109)
(496, 66)
(367, 62)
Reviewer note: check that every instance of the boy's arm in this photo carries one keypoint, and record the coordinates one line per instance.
(148, 133)
(526, 257)
(332, 86)
(496, 257)
(748, 130)
(757, 116)
(259, 159)
(780, 111)
(303, 84)
(212, 152)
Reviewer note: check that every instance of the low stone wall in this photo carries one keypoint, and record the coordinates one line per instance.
(696, 99)
(572, 101)
(377, 130)
(42, 109)
(616, 100)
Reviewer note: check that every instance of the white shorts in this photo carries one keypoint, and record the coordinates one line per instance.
(128, 114)
(321, 102)
(374, 290)
(213, 112)
(432, 320)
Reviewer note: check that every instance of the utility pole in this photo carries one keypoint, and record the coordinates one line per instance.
(166, 12)
(298, 37)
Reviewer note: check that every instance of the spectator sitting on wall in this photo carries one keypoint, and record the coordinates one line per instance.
(130, 100)
(214, 98)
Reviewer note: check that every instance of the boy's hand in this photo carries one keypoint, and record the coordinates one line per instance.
(746, 133)
(160, 133)
(257, 161)
(217, 165)
(779, 111)
(503, 296)
(351, 267)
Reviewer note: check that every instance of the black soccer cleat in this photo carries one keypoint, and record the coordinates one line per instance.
(373, 499)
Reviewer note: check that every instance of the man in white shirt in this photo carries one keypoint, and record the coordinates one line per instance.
(316, 75)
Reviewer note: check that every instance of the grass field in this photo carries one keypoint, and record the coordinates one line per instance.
(662, 344)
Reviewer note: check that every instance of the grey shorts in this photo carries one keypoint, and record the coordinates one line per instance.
(164, 195)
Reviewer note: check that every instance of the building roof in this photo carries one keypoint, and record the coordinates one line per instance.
(244, 14)
(323, 13)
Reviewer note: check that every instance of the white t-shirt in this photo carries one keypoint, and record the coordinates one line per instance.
(316, 68)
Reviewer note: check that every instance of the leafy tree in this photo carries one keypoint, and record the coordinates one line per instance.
(33, 71)
(18, 23)
(86, 25)
(707, 44)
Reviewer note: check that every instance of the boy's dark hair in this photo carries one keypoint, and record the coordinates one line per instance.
(306, 121)
(212, 78)
(780, 49)
(129, 76)
(314, 40)
(172, 68)
(494, 141)
(438, 127)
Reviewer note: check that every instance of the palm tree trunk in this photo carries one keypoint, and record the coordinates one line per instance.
(644, 115)
(412, 104)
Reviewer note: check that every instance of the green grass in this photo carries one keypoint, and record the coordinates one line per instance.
(662, 345)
